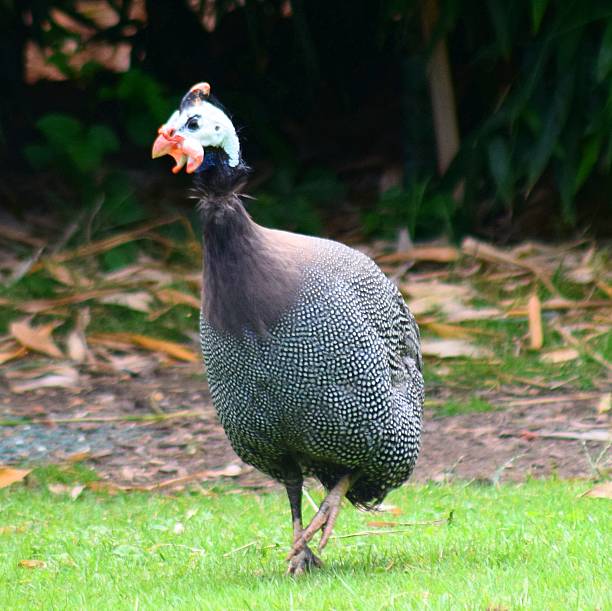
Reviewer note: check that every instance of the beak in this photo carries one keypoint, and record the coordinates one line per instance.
(183, 150)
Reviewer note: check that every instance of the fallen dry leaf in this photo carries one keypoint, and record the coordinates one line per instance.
(107, 487)
(32, 564)
(453, 348)
(581, 275)
(442, 290)
(173, 349)
(78, 456)
(174, 297)
(15, 353)
(446, 330)
(606, 288)
(76, 347)
(34, 306)
(388, 508)
(61, 377)
(601, 491)
(139, 300)
(38, 338)
(605, 403)
(534, 314)
(9, 476)
(562, 355)
(440, 254)
(466, 314)
(60, 273)
(76, 344)
(230, 470)
(63, 489)
(133, 363)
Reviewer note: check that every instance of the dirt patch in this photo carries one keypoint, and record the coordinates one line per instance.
(187, 445)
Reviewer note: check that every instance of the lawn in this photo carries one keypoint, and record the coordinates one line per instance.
(538, 545)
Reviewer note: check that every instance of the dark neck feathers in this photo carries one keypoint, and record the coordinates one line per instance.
(215, 178)
(248, 283)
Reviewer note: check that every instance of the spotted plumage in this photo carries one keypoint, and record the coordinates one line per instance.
(313, 359)
(335, 385)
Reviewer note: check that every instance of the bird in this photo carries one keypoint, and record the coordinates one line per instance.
(313, 358)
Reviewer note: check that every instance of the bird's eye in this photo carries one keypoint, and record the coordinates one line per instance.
(217, 128)
(192, 124)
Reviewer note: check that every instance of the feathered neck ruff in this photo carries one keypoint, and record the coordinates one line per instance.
(247, 283)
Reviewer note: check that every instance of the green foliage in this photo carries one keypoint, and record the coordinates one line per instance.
(532, 83)
(290, 202)
(70, 147)
(419, 208)
(549, 102)
(80, 154)
(142, 102)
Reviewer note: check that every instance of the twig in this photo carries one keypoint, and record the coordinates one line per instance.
(568, 337)
(33, 306)
(310, 500)
(534, 314)
(25, 267)
(579, 396)
(486, 252)
(363, 533)
(239, 549)
(94, 248)
(563, 304)
(594, 435)
(65, 236)
(186, 413)
(193, 550)
(498, 472)
(450, 473)
(371, 533)
(16, 235)
(440, 254)
(595, 464)
(173, 481)
(529, 382)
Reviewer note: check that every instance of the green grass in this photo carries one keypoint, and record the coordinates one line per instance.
(530, 546)
(472, 404)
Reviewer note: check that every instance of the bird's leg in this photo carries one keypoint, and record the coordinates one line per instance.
(325, 518)
(304, 560)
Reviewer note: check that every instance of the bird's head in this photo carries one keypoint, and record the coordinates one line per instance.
(198, 124)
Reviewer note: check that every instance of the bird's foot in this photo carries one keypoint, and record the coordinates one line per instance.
(323, 520)
(303, 562)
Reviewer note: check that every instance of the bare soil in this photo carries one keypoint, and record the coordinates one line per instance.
(192, 448)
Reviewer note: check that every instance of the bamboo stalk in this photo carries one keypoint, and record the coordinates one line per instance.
(441, 90)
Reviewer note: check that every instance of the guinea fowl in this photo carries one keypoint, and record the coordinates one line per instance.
(313, 358)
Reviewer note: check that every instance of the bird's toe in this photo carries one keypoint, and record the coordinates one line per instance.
(302, 562)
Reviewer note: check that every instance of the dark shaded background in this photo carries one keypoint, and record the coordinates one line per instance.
(334, 107)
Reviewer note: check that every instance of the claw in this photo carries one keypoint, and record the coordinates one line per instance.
(303, 562)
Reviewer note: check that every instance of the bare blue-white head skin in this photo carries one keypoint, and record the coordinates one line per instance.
(199, 124)
(248, 277)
